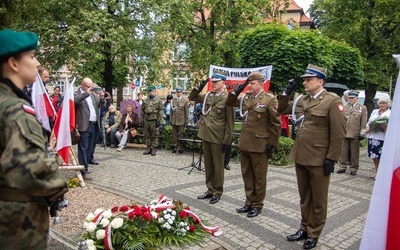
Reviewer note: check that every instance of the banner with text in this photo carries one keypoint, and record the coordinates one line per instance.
(236, 76)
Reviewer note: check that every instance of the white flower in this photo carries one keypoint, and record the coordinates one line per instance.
(90, 217)
(104, 222)
(154, 215)
(89, 242)
(167, 226)
(90, 227)
(169, 210)
(100, 234)
(107, 214)
(170, 221)
(167, 216)
(91, 248)
(172, 218)
(164, 211)
(97, 211)
(117, 223)
(173, 212)
(161, 220)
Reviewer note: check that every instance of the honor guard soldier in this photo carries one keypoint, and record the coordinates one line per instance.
(356, 117)
(321, 128)
(30, 180)
(215, 129)
(151, 114)
(261, 127)
(179, 117)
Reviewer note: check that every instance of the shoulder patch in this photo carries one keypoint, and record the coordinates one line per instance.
(340, 107)
(29, 109)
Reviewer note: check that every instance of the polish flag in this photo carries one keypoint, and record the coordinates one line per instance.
(383, 220)
(65, 122)
(42, 104)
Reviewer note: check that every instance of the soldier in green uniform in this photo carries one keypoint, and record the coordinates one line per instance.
(261, 127)
(179, 117)
(151, 115)
(215, 129)
(29, 179)
(321, 128)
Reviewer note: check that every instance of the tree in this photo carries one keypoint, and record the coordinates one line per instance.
(290, 51)
(372, 26)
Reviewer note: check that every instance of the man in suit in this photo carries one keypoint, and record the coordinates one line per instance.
(259, 136)
(179, 117)
(356, 116)
(215, 129)
(321, 128)
(87, 115)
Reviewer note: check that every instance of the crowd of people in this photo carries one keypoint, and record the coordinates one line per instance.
(326, 132)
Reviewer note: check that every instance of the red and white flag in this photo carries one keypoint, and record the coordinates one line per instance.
(383, 220)
(42, 104)
(65, 122)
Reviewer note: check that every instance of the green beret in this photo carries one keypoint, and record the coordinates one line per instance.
(13, 43)
(151, 88)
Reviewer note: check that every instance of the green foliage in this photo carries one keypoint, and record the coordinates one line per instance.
(290, 51)
(281, 156)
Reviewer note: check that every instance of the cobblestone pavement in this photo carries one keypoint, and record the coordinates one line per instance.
(144, 178)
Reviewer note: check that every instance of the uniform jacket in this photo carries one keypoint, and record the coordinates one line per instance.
(321, 133)
(24, 161)
(179, 111)
(82, 112)
(262, 126)
(356, 119)
(117, 119)
(152, 109)
(217, 125)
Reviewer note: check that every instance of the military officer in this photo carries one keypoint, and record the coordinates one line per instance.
(179, 117)
(29, 179)
(261, 127)
(151, 115)
(356, 116)
(215, 129)
(321, 128)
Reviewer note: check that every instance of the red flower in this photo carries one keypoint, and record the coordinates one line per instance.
(131, 215)
(195, 220)
(138, 211)
(192, 228)
(145, 209)
(187, 208)
(114, 209)
(183, 214)
(123, 208)
(147, 216)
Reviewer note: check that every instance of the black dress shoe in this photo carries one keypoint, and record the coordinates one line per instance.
(299, 235)
(254, 212)
(214, 199)
(93, 162)
(227, 167)
(353, 173)
(243, 209)
(310, 243)
(180, 151)
(341, 171)
(205, 196)
(173, 151)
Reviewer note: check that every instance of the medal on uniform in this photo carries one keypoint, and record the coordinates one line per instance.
(218, 111)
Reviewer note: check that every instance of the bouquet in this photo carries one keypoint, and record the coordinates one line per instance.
(162, 222)
(379, 125)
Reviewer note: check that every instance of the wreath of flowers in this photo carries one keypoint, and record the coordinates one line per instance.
(161, 222)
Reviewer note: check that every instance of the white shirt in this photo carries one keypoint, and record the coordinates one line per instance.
(92, 111)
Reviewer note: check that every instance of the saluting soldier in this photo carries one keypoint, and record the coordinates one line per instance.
(356, 116)
(321, 128)
(215, 129)
(261, 127)
(151, 115)
(179, 117)
(29, 179)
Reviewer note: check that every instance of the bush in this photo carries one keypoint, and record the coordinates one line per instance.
(281, 156)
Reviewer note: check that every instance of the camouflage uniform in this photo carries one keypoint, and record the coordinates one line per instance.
(29, 179)
(151, 113)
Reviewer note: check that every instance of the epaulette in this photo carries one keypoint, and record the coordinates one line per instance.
(332, 94)
(270, 95)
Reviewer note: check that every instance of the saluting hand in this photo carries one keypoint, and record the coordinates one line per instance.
(292, 84)
(241, 87)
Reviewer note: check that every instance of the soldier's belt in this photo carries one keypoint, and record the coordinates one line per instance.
(12, 194)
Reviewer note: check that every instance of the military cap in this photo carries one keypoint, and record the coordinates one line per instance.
(13, 43)
(179, 89)
(346, 93)
(313, 70)
(255, 76)
(151, 88)
(218, 75)
(352, 94)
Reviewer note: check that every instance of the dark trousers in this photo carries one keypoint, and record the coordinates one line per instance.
(111, 139)
(86, 146)
(214, 164)
(96, 139)
(228, 155)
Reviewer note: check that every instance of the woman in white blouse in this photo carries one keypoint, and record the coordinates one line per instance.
(375, 139)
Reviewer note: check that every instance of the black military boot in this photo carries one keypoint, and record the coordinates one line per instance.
(148, 150)
(153, 151)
